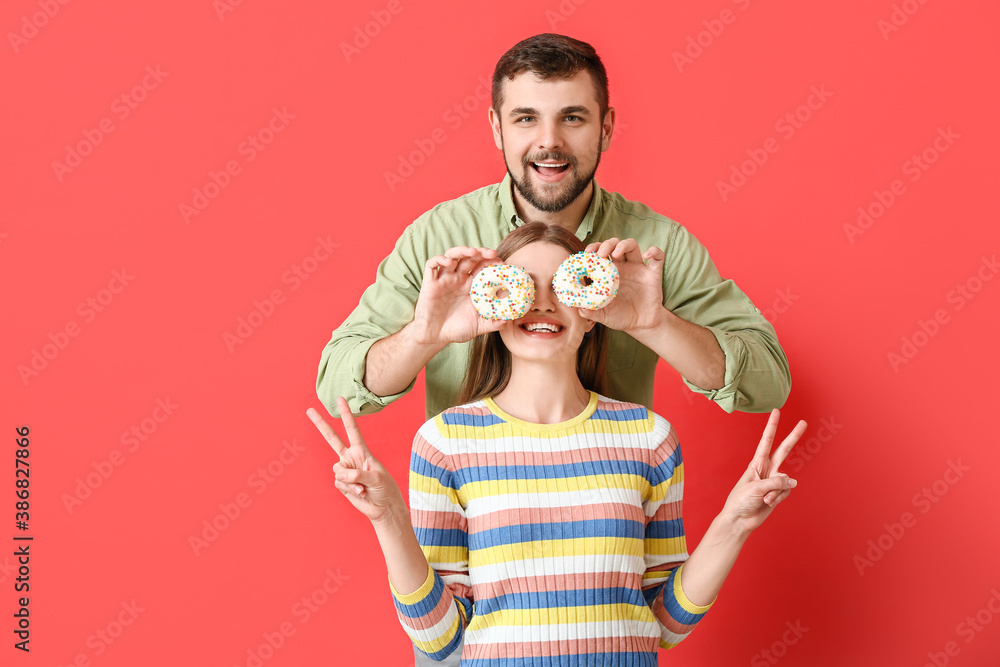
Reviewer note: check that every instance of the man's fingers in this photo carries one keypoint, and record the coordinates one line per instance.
(327, 431)
(655, 256)
(627, 249)
(604, 250)
(592, 247)
(351, 426)
(438, 262)
(786, 445)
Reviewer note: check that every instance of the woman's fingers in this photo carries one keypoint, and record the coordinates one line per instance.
(780, 483)
(786, 445)
(327, 431)
(766, 440)
(351, 426)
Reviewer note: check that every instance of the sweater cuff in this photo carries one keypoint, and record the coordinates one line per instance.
(682, 598)
(417, 595)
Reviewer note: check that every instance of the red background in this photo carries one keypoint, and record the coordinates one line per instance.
(840, 307)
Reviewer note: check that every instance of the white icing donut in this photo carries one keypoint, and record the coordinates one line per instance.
(571, 286)
(495, 278)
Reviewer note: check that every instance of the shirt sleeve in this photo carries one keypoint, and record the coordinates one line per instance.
(757, 377)
(385, 308)
(666, 547)
(435, 615)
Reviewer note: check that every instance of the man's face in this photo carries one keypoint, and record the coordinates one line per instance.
(551, 135)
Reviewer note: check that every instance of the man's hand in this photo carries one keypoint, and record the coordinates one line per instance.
(444, 311)
(640, 286)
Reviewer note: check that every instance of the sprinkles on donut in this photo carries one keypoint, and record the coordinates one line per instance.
(496, 278)
(586, 280)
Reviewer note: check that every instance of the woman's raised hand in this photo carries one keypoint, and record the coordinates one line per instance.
(359, 476)
(762, 486)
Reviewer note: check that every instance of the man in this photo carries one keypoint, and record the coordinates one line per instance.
(550, 118)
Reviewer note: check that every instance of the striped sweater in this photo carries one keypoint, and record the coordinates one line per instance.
(548, 540)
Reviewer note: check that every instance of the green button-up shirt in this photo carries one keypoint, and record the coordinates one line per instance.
(757, 377)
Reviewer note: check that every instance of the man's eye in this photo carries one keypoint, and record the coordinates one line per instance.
(524, 118)
(573, 118)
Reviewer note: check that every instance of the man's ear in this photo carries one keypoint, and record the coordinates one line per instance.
(495, 126)
(607, 129)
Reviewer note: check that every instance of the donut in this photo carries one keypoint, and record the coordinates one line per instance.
(489, 282)
(586, 280)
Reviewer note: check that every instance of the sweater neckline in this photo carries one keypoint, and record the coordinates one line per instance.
(530, 426)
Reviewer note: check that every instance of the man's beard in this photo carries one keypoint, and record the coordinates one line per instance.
(572, 187)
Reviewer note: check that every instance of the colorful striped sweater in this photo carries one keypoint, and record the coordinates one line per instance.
(548, 540)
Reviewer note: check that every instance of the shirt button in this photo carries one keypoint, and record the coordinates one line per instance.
(758, 310)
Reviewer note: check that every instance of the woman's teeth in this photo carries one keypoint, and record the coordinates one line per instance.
(547, 328)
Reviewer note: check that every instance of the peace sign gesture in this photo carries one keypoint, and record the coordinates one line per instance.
(360, 477)
(762, 487)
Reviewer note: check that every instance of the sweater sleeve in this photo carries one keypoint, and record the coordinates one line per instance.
(435, 615)
(665, 544)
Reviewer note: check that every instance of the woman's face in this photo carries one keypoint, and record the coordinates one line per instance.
(549, 330)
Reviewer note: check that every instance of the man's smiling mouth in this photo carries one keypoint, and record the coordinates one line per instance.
(550, 168)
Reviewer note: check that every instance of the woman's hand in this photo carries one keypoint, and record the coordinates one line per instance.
(762, 486)
(359, 476)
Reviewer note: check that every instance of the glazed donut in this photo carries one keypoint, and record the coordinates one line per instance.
(586, 280)
(490, 281)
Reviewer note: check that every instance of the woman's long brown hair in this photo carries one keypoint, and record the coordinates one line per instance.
(489, 359)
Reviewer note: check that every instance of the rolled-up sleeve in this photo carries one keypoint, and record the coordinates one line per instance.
(385, 308)
(757, 376)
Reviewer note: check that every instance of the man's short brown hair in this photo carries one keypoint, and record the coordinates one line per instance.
(551, 56)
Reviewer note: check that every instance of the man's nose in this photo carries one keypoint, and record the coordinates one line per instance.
(549, 136)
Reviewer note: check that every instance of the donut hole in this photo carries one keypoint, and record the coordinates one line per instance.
(585, 281)
(502, 293)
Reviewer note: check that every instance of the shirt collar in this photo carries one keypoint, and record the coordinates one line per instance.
(509, 211)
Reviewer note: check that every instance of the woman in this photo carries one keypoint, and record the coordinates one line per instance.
(546, 518)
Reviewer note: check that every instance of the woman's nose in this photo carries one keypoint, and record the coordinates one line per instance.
(545, 299)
